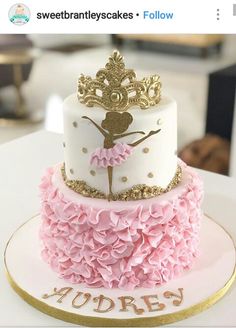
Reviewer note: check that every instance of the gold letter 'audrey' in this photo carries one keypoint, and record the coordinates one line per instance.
(116, 88)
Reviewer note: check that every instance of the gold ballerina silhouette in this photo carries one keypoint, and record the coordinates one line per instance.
(113, 154)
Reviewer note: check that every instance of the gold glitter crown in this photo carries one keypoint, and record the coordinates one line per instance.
(116, 88)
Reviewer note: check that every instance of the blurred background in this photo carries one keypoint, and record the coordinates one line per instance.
(38, 71)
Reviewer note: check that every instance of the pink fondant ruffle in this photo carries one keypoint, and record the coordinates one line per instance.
(104, 157)
(144, 245)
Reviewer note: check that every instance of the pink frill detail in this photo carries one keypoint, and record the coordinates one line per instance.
(141, 246)
(104, 157)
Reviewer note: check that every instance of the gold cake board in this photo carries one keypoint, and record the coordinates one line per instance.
(194, 292)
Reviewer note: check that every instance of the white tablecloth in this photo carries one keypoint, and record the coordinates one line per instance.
(22, 163)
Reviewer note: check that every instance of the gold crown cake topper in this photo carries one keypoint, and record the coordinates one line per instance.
(116, 88)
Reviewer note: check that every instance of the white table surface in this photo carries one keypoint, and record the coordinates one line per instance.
(22, 163)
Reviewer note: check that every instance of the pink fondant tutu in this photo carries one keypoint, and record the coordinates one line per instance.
(104, 157)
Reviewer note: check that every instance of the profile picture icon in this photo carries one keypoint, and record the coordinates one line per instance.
(19, 14)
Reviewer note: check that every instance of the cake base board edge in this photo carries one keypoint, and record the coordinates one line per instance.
(194, 292)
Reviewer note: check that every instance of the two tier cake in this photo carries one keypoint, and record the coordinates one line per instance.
(121, 211)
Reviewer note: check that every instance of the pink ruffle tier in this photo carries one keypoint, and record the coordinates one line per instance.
(120, 244)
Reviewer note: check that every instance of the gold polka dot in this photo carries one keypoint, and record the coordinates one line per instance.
(64, 144)
(71, 171)
(145, 150)
(150, 175)
(92, 172)
(75, 124)
(159, 121)
(84, 150)
(124, 179)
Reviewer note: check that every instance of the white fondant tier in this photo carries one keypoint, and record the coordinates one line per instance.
(153, 162)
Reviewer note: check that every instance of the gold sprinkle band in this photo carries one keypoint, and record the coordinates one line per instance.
(137, 192)
(81, 187)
